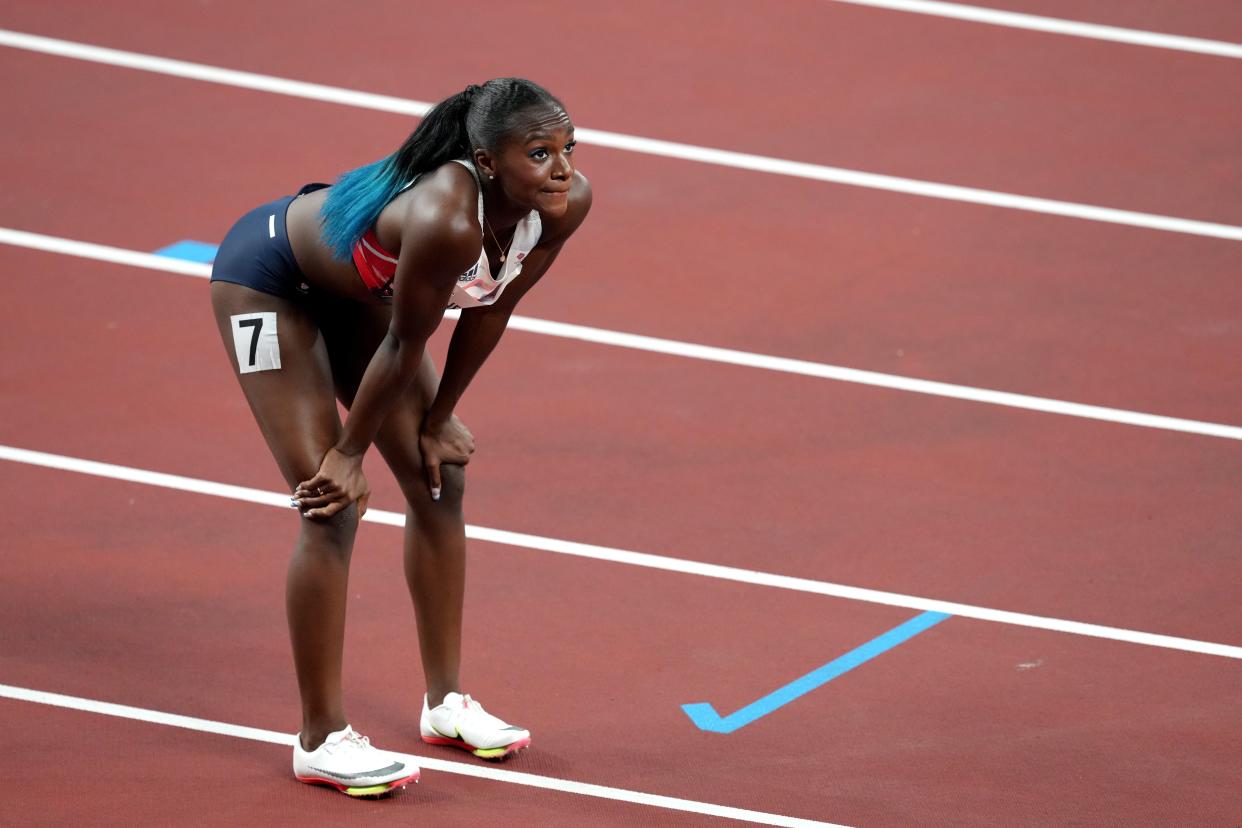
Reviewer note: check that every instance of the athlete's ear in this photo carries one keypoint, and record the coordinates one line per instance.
(485, 163)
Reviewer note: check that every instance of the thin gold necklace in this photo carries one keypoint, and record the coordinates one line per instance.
(504, 251)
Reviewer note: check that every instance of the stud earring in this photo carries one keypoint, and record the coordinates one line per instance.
(491, 177)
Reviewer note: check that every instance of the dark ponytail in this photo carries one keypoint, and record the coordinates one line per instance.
(476, 117)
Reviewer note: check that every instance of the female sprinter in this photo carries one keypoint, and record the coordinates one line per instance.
(333, 293)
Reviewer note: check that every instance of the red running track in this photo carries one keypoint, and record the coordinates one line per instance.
(151, 599)
(960, 293)
(824, 82)
(166, 600)
(856, 485)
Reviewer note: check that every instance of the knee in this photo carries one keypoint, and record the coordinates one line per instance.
(335, 532)
(453, 483)
(452, 492)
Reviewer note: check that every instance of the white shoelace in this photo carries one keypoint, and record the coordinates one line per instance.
(352, 740)
(481, 716)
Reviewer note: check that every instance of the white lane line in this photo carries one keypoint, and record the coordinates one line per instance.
(640, 559)
(689, 350)
(124, 711)
(102, 253)
(875, 379)
(632, 143)
(1057, 25)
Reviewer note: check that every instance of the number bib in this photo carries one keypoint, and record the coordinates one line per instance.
(254, 339)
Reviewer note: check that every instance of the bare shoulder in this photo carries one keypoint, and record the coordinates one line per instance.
(557, 230)
(439, 216)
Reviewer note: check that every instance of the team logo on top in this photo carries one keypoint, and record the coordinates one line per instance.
(469, 274)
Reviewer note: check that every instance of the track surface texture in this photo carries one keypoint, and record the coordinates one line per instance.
(172, 601)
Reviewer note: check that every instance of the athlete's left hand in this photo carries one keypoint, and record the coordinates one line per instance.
(338, 483)
(450, 442)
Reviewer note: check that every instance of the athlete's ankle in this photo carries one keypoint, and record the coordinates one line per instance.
(315, 732)
(436, 693)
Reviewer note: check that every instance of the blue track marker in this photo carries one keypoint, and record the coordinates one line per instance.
(192, 251)
(706, 718)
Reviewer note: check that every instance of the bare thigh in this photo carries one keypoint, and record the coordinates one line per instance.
(353, 333)
(294, 405)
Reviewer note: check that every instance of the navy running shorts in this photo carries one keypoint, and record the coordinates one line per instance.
(256, 252)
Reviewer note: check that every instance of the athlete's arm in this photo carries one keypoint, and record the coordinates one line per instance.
(479, 330)
(438, 241)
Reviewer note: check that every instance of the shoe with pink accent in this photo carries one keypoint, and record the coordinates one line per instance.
(347, 762)
(462, 722)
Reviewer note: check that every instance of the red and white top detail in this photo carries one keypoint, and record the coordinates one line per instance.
(477, 286)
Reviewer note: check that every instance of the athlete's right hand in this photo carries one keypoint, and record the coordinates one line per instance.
(338, 483)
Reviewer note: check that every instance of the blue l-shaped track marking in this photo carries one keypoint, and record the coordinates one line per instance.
(191, 251)
(706, 717)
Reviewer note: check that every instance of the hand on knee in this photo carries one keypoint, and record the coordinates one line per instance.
(452, 480)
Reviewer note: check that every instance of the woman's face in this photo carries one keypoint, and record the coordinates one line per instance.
(535, 163)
